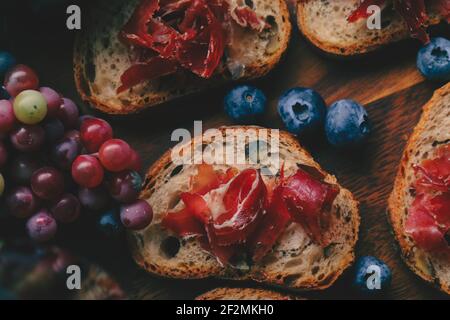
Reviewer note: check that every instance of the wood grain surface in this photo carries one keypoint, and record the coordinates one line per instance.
(387, 83)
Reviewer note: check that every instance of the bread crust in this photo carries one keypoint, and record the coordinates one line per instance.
(258, 274)
(253, 71)
(363, 47)
(244, 294)
(396, 202)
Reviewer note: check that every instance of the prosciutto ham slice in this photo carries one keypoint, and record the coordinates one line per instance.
(412, 11)
(248, 220)
(428, 220)
(189, 34)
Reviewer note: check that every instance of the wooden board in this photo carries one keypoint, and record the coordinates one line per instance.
(388, 84)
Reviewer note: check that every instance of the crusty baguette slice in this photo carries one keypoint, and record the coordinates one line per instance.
(244, 294)
(432, 129)
(295, 262)
(100, 58)
(324, 24)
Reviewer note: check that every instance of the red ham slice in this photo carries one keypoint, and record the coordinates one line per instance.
(191, 34)
(361, 11)
(423, 227)
(428, 218)
(412, 11)
(250, 222)
(246, 17)
(244, 203)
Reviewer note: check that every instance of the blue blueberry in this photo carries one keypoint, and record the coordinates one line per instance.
(245, 104)
(433, 60)
(372, 276)
(301, 110)
(7, 61)
(347, 124)
(110, 225)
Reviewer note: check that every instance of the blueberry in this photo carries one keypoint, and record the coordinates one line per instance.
(301, 110)
(7, 61)
(245, 104)
(110, 225)
(347, 124)
(433, 60)
(372, 276)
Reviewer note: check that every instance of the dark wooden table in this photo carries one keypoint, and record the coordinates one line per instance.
(388, 84)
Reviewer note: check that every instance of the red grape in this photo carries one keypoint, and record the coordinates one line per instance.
(115, 155)
(42, 226)
(27, 138)
(54, 101)
(3, 154)
(66, 209)
(94, 132)
(7, 117)
(84, 117)
(95, 199)
(47, 183)
(87, 171)
(21, 202)
(20, 78)
(68, 113)
(136, 216)
(135, 161)
(125, 186)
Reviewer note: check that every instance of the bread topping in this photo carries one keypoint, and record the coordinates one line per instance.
(412, 11)
(189, 34)
(251, 218)
(428, 219)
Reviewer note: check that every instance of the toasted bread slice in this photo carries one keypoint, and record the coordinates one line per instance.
(325, 25)
(295, 261)
(244, 294)
(433, 129)
(100, 58)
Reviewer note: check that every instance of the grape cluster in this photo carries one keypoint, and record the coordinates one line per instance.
(58, 164)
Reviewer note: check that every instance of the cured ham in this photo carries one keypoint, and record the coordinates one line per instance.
(412, 11)
(188, 34)
(248, 221)
(428, 220)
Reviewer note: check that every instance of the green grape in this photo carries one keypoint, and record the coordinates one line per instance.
(30, 107)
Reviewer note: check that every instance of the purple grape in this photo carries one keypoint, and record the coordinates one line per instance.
(54, 131)
(66, 209)
(125, 186)
(68, 113)
(73, 134)
(3, 154)
(47, 183)
(93, 199)
(21, 202)
(27, 138)
(54, 101)
(22, 168)
(65, 152)
(7, 117)
(42, 226)
(136, 216)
